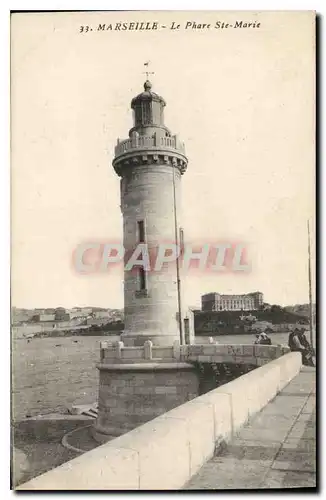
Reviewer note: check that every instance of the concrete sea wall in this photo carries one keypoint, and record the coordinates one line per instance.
(166, 452)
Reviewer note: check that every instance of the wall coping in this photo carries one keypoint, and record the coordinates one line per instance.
(118, 353)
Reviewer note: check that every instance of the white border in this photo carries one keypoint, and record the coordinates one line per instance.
(167, 5)
(6, 6)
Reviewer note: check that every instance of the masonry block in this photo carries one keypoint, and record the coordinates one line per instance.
(218, 358)
(262, 361)
(165, 390)
(265, 351)
(268, 383)
(236, 350)
(290, 365)
(248, 360)
(109, 353)
(195, 349)
(150, 391)
(240, 398)
(222, 408)
(278, 351)
(198, 417)
(209, 350)
(163, 459)
(248, 350)
(225, 358)
(99, 469)
(221, 349)
(144, 389)
(132, 353)
(162, 352)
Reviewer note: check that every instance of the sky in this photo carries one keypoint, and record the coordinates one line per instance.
(242, 100)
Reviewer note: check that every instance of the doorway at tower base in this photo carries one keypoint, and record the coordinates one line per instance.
(131, 394)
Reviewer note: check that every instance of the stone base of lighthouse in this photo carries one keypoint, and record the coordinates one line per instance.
(135, 340)
(138, 384)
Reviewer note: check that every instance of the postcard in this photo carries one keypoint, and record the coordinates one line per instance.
(163, 250)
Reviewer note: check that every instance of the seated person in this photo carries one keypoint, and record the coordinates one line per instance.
(299, 343)
(263, 339)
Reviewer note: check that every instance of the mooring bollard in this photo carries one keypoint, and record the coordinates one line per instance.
(103, 346)
(176, 350)
(118, 347)
(148, 349)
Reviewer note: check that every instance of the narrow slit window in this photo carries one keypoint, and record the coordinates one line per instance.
(141, 231)
(141, 238)
(142, 279)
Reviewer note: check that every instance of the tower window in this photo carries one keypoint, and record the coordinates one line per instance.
(137, 115)
(141, 231)
(141, 239)
(146, 113)
(142, 279)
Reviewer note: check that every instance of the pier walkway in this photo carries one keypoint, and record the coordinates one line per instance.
(276, 449)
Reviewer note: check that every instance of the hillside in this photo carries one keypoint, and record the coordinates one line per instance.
(230, 321)
(275, 316)
(301, 309)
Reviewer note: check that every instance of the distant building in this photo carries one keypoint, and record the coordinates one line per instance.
(61, 315)
(96, 321)
(18, 317)
(39, 318)
(101, 314)
(46, 318)
(245, 302)
(49, 311)
(84, 311)
(80, 312)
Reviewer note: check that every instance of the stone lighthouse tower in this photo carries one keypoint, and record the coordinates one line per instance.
(150, 163)
(146, 373)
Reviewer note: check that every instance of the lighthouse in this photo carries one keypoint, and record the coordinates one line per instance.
(150, 163)
(145, 374)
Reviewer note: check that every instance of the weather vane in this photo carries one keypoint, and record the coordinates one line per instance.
(147, 73)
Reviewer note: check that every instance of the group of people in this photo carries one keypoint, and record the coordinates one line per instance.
(297, 343)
